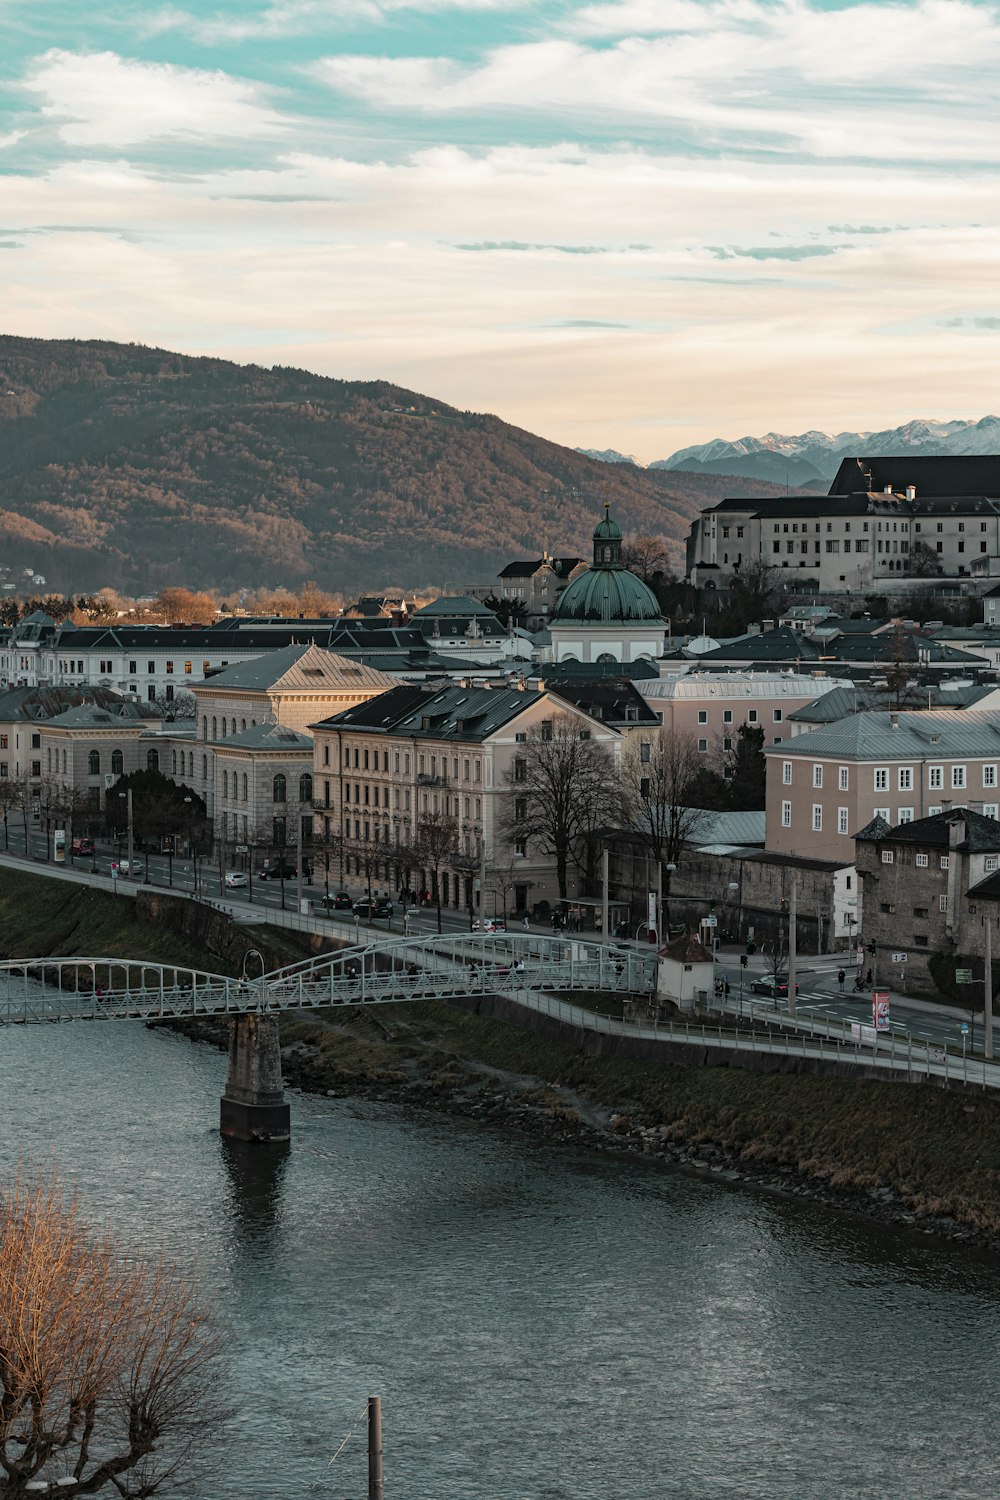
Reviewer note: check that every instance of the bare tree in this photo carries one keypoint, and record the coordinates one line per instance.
(10, 799)
(327, 849)
(109, 1371)
(504, 873)
(658, 778)
(564, 788)
(436, 845)
(647, 556)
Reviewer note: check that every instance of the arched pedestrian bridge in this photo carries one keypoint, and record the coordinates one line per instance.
(385, 971)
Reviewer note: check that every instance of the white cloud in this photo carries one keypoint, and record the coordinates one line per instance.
(728, 75)
(102, 99)
(11, 139)
(295, 17)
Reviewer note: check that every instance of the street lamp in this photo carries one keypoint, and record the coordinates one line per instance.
(189, 804)
(126, 797)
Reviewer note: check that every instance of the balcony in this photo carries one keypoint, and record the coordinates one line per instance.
(423, 780)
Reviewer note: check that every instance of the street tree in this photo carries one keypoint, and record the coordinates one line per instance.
(564, 789)
(110, 1373)
(327, 848)
(435, 846)
(659, 781)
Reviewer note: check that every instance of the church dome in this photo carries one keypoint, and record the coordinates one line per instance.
(608, 592)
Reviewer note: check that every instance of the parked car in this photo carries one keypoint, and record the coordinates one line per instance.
(283, 872)
(132, 868)
(235, 878)
(371, 911)
(776, 988)
(490, 924)
(82, 846)
(342, 901)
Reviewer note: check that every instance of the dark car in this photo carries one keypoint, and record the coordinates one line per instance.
(777, 988)
(371, 911)
(342, 901)
(82, 846)
(284, 872)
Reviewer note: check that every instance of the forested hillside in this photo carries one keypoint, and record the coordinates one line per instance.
(135, 468)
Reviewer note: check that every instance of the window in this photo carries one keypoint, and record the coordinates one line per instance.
(150, 668)
(841, 819)
(906, 778)
(888, 857)
(817, 775)
(478, 771)
(881, 778)
(727, 744)
(225, 783)
(132, 668)
(786, 815)
(958, 777)
(703, 746)
(278, 788)
(990, 862)
(989, 776)
(776, 715)
(187, 669)
(904, 815)
(305, 787)
(152, 760)
(843, 776)
(170, 669)
(645, 752)
(117, 763)
(727, 716)
(752, 716)
(520, 848)
(520, 769)
(943, 902)
(944, 861)
(246, 788)
(786, 773)
(817, 818)
(920, 911)
(989, 809)
(94, 763)
(703, 716)
(935, 778)
(921, 861)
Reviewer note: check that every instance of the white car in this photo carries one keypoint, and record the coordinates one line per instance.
(134, 869)
(236, 878)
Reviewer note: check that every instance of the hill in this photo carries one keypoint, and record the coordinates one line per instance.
(137, 468)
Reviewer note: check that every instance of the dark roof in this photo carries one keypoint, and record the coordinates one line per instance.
(592, 671)
(793, 507)
(686, 949)
(946, 474)
(613, 702)
(382, 713)
(981, 834)
(988, 889)
(527, 569)
(874, 831)
(42, 703)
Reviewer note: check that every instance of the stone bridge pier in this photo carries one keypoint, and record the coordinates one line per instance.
(253, 1108)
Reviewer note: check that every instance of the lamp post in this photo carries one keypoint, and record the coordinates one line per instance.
(189, 804)
(126, 797)
(669, 870)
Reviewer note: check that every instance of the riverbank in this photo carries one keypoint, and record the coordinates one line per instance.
(899, 1153)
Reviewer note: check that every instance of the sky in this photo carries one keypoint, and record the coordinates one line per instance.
(636, 224)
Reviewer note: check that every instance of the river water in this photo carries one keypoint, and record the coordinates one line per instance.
(539, 1326)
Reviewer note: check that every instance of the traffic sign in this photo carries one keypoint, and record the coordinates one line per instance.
(964, 1028)
(712, 921)
(899, 958)
(963, 976)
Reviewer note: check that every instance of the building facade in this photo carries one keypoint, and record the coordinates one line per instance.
(607, 614)
(710, 707)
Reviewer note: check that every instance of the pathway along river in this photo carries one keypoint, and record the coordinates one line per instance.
(539, 1326)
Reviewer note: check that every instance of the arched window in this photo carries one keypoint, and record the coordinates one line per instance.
(243, 726)
(64, 760)
(215, 729)
(152, 760)
(94, 762)
(48, 759)
(305, 787)
(607, 656)
(204, 726)
(223, 729)
(279, 788)
(204, 768)
(173, 762)
(233, 729)
(117, 763)
(245, 784)
(225, 783)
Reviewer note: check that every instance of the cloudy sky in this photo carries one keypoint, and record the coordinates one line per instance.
(637, 224)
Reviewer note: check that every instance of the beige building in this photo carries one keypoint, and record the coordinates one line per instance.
(415, 753)
(88, 747)
(262, 790)
(823, 787)
(711, 706)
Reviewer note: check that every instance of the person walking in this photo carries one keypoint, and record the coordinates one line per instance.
(524, 924)
(841, 976)
(869, 979)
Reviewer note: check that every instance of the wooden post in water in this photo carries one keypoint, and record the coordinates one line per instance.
(375, 1491)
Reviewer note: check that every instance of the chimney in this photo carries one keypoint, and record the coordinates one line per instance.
(887, 490)
(911, 492)
(894, 720)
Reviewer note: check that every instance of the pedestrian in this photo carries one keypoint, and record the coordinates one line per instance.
(524, 923)
(869, 977)
(841, 976)
(726, 989)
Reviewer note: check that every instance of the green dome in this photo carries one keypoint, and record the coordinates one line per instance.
(604, 596)
(607, 530)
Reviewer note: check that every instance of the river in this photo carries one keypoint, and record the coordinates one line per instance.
(540, 1326)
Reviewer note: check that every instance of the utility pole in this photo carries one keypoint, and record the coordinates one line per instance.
(482, 880)
(988, 992)
(604, 896)
(791, 950)
(375, 1491)
(131, 856)
(298, 861)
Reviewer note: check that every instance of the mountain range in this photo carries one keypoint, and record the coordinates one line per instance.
(811, 459)
(137, 468)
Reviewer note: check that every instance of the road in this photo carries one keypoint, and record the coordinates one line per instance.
(820, 996)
